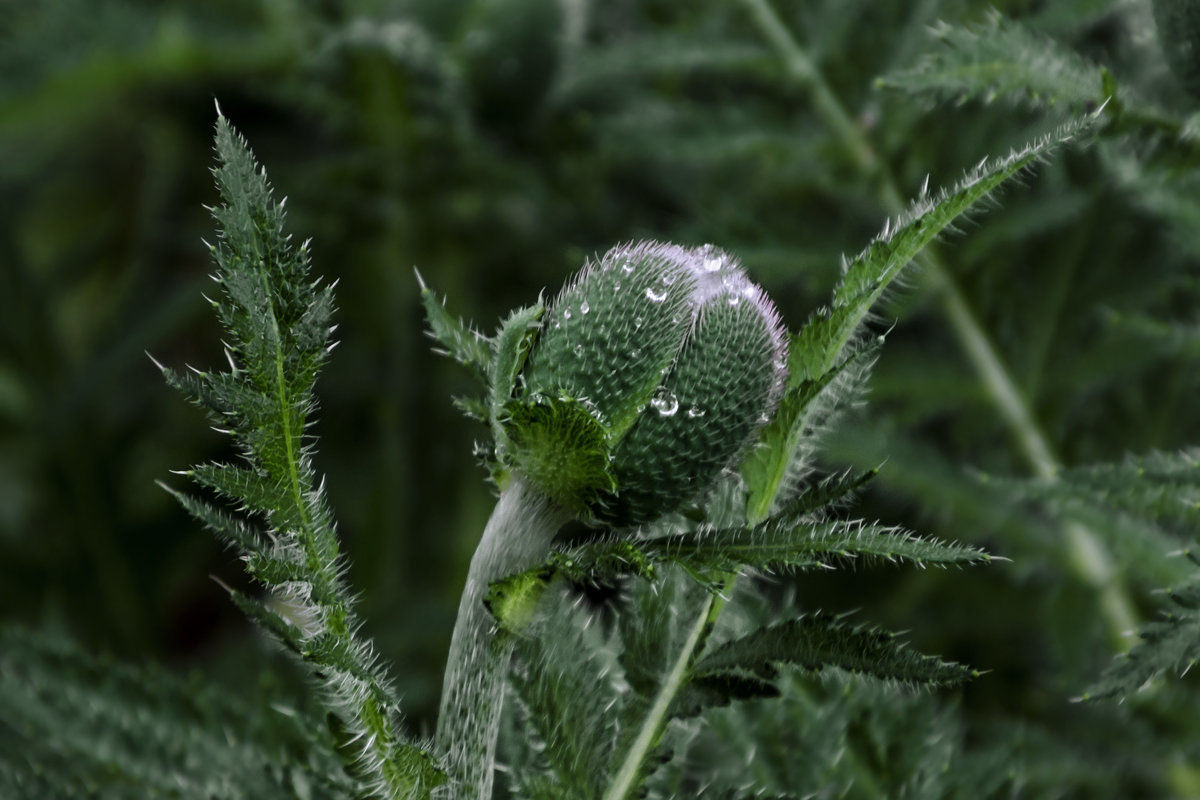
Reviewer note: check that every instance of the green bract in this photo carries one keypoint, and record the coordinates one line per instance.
(649, 374)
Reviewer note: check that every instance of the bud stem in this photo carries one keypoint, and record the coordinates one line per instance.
(517, 537)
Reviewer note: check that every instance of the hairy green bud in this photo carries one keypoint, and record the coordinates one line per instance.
(668, 359)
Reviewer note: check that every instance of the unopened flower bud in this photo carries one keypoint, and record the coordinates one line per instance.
(652, 370)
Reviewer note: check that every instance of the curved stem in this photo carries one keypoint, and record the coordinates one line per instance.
(516, 538)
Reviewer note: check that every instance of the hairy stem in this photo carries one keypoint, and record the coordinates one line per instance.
(516, 538)
(1087, 556)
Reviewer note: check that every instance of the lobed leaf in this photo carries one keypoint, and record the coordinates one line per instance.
(277, 321)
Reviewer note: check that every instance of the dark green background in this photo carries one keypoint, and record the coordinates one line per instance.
(494, 146)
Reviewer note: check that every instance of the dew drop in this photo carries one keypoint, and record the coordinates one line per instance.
(734, 300)
(666, 404)
(638, 322)
(655, 297)
(578, 350)
(566, 313)
(635, 353)
(714, 259)
(627, 267)
(584, 307)
(696, 413)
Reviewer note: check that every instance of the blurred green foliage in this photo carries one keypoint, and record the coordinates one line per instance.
(494, 145)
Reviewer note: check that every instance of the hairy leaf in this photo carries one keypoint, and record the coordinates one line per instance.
(277, 320)
(75, 725)
(465, 345)
(817, 641)
(831, 338)
(1003, 58)
(1169, 644)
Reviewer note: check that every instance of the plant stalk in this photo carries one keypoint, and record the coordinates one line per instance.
(517, 537)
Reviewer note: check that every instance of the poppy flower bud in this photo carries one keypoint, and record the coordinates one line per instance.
(652, 370)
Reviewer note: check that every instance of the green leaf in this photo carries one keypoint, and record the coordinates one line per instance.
(832, 338)
(232, 531)
(708, 691)
(1168, 644)
(1002, 58)
(825, 494)
(568, 693)
(459, 341)
(1145, 507)
(788, 544)
(817, 641)
(78, 725)
(780, 455)
(277, 321)
(512, 343)
(874, 270)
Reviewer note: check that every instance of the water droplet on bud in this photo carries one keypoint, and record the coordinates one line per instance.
(733, 300)
(578, 350)
(713, 259)
(655, 297)
(666, 404)
(584, 307)
(627, 267)
(696, 413)
(566, 313)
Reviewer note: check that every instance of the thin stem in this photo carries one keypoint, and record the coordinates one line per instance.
(1087, 556)
(517, 537)
(656, 718)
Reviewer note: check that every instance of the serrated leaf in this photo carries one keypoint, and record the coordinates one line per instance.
(232, 531)
(817, 641)
(829, 340)
(284, 630)
(718, 689)
(1170, 644)
(1003, 58)
(873, 270)
(462, 343)
(787, 544)
(277, 321)
(819, 497)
